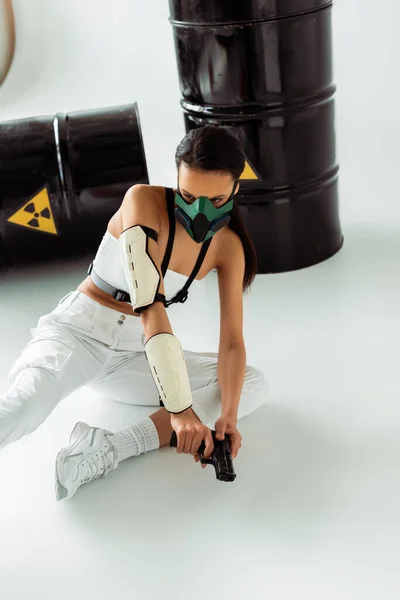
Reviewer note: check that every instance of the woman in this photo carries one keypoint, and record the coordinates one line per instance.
(113, 332)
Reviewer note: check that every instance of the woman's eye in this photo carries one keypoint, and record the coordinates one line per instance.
(191, 199)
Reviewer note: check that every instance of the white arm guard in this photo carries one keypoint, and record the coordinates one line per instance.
(168, 367)
(140, 271)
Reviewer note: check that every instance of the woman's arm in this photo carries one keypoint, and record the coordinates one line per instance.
(232, 351)
(231, 371)
(163, 350)
(138, 207)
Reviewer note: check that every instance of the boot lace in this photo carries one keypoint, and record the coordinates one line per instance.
(94, 466)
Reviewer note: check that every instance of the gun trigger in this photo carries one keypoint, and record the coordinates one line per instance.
(206, 461)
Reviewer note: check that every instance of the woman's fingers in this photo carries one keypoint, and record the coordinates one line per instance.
(181, 441)
(197, 459)
(196, 443)
(235, 443)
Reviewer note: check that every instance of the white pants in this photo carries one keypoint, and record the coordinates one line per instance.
(81, 343)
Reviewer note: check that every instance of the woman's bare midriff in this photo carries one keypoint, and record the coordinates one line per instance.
(183, 258)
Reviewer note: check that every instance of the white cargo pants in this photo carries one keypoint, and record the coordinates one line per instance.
(82, 343)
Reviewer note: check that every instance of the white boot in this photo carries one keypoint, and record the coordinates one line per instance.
(91, 454)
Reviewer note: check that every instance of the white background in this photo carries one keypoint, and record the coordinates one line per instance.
(314, 511)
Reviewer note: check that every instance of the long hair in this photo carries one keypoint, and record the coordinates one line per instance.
(214, 148)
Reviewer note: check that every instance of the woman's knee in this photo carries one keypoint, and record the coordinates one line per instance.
(254, 393)
(255, 380)
(256, 390)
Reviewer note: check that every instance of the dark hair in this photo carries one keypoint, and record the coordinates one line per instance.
(214, 148)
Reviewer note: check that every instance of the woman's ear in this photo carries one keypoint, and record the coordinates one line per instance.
(237, 188)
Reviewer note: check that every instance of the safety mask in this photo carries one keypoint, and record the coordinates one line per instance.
(201, 218)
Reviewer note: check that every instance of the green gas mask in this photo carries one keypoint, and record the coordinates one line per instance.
(202, 219)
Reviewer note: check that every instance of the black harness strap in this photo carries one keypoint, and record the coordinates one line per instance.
(148, 231)
(170, 198)
(182, 295)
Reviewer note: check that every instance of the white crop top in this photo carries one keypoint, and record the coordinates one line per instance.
(107, 264)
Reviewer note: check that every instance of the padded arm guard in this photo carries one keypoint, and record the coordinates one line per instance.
(140, 271)
(168, 368)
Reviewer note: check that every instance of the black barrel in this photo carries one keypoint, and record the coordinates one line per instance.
(264, 70)
(61, 179)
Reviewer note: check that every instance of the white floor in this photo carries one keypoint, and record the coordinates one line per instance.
(314, 511)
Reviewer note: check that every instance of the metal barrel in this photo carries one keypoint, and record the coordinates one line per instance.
(264, 70)
(62, 177)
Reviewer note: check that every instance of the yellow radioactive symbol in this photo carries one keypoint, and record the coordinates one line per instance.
(36, 214)
(249, 172)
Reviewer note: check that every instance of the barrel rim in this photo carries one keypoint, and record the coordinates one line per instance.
(176, 23)
(250, 111)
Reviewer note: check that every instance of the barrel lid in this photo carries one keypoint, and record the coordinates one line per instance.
(216, 12)
(103, 146)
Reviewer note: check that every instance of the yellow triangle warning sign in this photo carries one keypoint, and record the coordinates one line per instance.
(249, 172)
(36, 214)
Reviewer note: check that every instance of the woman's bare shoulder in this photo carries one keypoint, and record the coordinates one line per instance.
(146, 199)
(139, 191)
(229, 247)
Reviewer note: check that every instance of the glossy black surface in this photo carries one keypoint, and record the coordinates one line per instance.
(264, 69)
(227, 11)
(87, 160)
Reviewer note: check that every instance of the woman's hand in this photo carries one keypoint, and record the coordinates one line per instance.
(226, 425)
(190, 433)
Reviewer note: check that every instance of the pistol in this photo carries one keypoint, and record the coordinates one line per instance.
(221, 458)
